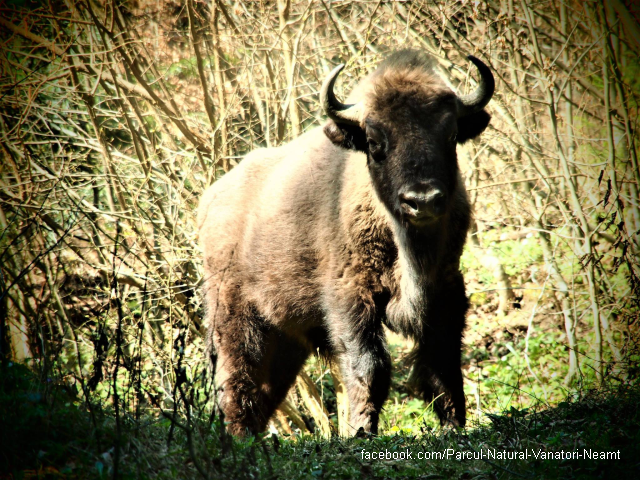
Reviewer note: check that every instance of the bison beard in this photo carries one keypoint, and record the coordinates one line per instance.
(316, 245)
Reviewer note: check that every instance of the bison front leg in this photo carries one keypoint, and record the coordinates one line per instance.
(437, 376)
(437, 373)
(366, 370)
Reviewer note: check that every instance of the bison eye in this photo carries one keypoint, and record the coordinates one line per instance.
(374, 146)
(453, 137)
(376, 149)
(376, 142)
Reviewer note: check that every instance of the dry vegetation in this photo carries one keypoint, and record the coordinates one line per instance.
(115, 116)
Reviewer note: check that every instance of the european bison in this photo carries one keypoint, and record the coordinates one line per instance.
(315, 245)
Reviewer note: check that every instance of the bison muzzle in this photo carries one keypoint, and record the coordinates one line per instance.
(318, 244)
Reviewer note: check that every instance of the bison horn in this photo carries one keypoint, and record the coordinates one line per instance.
(476, 101)
(336, 111)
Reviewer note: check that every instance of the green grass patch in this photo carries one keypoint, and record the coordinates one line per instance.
(48, 431)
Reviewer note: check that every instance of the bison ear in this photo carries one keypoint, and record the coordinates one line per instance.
(351, 137)
(472, 125)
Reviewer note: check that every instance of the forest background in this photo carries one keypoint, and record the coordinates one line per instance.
(115, 116)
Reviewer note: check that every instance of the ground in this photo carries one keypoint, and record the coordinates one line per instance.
(49, 433)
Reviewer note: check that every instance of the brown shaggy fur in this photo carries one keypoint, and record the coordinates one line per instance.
(305, 249)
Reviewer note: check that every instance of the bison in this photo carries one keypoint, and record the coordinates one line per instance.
(316, 245)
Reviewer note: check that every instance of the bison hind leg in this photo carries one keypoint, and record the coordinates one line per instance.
(257, 364)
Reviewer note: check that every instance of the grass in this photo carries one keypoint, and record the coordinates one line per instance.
(48, 431)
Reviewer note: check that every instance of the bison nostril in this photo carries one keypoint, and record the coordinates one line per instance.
(412, 204)
(436, 203)
(423, 204)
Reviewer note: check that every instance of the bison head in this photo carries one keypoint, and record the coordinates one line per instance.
(408, 123)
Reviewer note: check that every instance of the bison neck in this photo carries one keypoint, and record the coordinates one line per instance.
(413, 266)
(420, 265)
